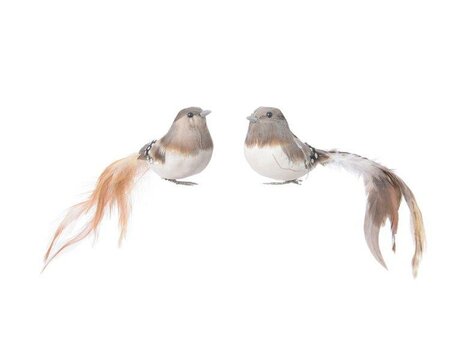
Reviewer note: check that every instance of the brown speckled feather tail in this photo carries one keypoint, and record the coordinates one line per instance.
(113, 189)
(384, 193)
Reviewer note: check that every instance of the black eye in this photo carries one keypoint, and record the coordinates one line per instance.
(190, 114)
(269, 114)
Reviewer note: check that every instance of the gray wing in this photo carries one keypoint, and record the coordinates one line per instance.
(309, 152)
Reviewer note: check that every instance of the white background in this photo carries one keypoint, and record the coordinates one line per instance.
(231, 269)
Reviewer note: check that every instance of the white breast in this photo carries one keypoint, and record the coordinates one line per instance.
(179, 166)
(272, 162)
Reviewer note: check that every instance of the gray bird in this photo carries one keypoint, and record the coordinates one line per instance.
(184, 151)
(273, 151)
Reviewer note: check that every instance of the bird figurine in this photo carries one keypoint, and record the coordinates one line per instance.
(184, 151)
(273, 151)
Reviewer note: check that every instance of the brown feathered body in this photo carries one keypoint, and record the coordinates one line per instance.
(185, 150)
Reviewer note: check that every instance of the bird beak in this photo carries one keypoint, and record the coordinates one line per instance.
(204, 113)
(252, 118)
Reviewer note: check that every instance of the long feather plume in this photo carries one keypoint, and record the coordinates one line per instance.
(384, 193)
(113, 189)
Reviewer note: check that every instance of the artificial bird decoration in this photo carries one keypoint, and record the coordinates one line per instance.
(273, 151)
(184, 151)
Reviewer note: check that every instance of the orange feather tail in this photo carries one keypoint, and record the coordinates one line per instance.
(113, 189)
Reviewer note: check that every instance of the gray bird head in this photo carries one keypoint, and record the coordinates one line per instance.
(267, 126)
(193, 115)
(266, 114)
(189, 133)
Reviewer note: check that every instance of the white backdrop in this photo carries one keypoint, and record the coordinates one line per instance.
(231, 269)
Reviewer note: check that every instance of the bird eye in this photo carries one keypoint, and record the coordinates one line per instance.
(190, 114)
(269, 114)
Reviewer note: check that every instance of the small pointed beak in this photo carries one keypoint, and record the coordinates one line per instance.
(204, 113)
(252, 118)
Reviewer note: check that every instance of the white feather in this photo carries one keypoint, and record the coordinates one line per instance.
(272, 162)
(355, 164)
(179, 166)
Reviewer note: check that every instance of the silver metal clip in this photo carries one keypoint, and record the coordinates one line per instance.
(144, 153)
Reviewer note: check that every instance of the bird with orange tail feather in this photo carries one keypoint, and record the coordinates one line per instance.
(184, 151)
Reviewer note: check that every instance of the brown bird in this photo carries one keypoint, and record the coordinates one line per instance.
(273, 151)
(184, 151)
